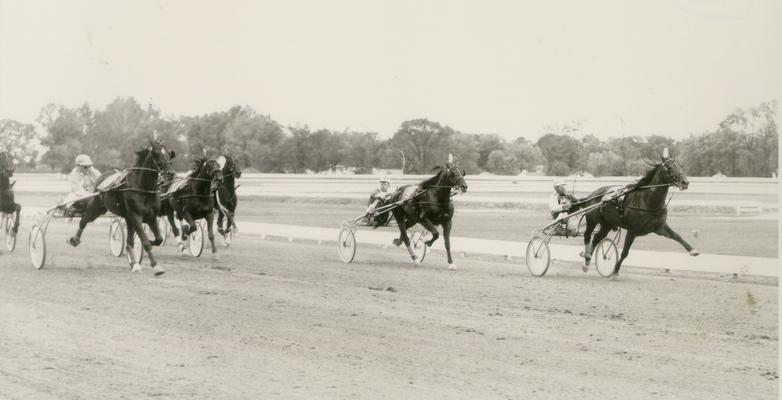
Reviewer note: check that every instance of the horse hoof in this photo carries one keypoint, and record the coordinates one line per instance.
(158, 270)
(215, 257)
(157, 242)
(615, 277)
(585, 267)
(452, 266)
(396, 242)
(181, 249)
(694, 252)
(135, 268)
(74, 241)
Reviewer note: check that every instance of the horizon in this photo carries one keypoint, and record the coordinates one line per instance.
(674, 69)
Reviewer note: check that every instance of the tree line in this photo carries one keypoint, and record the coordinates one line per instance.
(745, 143)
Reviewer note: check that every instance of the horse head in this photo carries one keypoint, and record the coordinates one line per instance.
(213, 171)
(452, 175)
(672, 172)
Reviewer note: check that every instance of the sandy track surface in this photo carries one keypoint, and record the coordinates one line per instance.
(287, 320)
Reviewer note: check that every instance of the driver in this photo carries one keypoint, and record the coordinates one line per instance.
(379, 196)
(82, 180)
(559, 205)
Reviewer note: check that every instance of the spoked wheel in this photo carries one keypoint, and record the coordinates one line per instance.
(418, 238)
(37, 246)
(605, 257)
(538, 256)
(10, 236)
(117, 237)
(195, 242)
(347, 244)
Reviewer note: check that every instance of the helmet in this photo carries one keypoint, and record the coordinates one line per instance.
(559, 183)
(83, 160)
(385, 180)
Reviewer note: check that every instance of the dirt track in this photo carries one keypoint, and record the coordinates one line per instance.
(282, 320)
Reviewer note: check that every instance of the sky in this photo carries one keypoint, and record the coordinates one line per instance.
(670, 67)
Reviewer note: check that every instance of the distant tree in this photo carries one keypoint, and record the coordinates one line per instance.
(502, 164)
(605, 163)
(424, 143)
(465, 149)
(558, 168)
(528, 156)
(563, 149)
(21, 140)
(66, 134)
(487, 143)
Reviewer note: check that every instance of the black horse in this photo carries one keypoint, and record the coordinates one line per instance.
(640, 211)
(225, 196)
(429, 204)
(137, 200)
(196, 200)
(7, 204)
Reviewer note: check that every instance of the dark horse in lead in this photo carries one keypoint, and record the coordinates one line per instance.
(137, 200)
(429, 204)
(641, 210)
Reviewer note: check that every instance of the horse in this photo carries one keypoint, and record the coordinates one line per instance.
(225, 195)
(137, 200)
(640, 211)
(7, 203)
(429, 204)
(196, 200)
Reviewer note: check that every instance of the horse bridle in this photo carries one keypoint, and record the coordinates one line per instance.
(158, 170)
(211, 179)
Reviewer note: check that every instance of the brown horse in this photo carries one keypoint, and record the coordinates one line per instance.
(137, 200)
(641, 210)
(429, 204)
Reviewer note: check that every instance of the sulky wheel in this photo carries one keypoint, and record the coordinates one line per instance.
(346, 244)
(195, 241)
(418, 237)
(10, 236)
(605, 257)
(538, 257)
(37, 246)
(117, 237)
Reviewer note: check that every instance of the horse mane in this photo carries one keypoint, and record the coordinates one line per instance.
(141, 154)
(198, 163)
(433, 180)
(648, 175)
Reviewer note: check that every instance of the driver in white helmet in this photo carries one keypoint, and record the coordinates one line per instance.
(82, 179)
(379, 196)
(561, 204)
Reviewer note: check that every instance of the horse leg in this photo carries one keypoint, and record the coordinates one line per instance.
(666, 231)
(210, 232)
(89, 216)
(625, 251)
(400, 222)
(432, 229)
(153, 225)
(15, 229)
(587, 253)
(220, 229)
(135, 223)
(447, 239)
